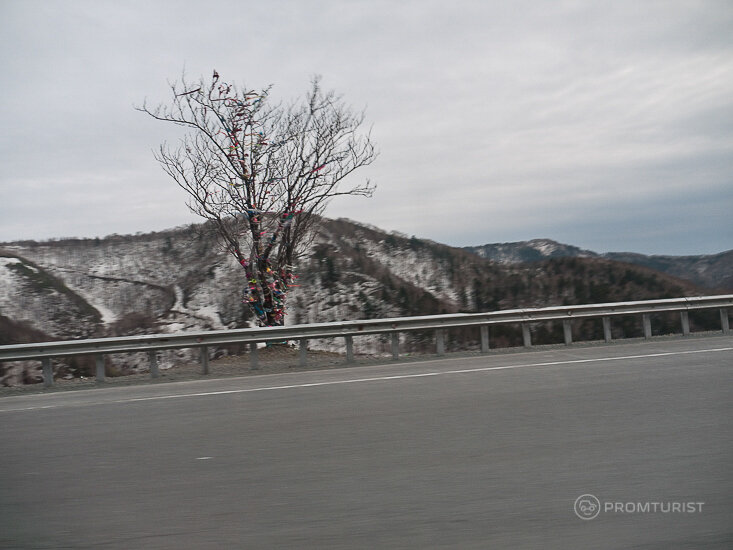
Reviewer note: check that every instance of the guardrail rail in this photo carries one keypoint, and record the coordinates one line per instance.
(151, 343)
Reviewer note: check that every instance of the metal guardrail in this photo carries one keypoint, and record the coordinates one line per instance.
(151, 343)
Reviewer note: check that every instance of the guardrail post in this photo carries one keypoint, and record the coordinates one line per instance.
(349, 348)
(526, 335)
(685, 318)
(606, 329)
(646, 321)
(99, 361)
(395, 345)
(153, 359)
(47, 372)
(204, 359)
(303, 357)
(567, 331)
(484, 338)
(440, 341)
(724, 320)
(254, 357)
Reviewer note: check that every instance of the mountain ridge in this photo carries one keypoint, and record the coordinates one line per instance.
(713, 271)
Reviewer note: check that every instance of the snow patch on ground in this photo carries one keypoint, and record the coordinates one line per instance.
(9, 261)
(211, 313)
(11, 280)
(108, 316)
(173, 328)
(545, 248)
(178, 291)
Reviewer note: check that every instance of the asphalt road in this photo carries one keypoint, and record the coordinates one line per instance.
(484, 452)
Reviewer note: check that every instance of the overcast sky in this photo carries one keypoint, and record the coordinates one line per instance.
(607, 125)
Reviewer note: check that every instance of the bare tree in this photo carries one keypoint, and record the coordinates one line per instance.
(262, 174)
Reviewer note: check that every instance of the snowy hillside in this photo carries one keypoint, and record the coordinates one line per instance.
(180, 280)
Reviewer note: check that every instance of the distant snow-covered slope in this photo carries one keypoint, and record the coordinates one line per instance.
(713, 271)
(528, 251)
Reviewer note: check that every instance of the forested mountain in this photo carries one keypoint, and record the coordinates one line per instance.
(180, 280)
(713, 271)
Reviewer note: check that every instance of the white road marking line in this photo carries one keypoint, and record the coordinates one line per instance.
(384, 378)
